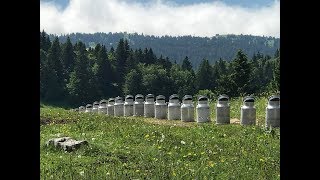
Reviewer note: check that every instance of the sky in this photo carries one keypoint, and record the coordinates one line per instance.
(204, 18)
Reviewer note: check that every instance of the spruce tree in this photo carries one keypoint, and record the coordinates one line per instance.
(68, 57)
(204, 75)
(133, 82)
(79, 84)
(55, 64)
(120, 56)
(186, 64)
(103, 73)
(240, 74)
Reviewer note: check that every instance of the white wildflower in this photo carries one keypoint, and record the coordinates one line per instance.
(81, 173)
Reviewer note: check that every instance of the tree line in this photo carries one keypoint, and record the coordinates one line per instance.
(176, 48)
(76, 75)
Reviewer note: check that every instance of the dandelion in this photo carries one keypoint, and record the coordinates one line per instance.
(211, 164)
(146, 136)
(174, 173)
(159, 147)
(202, 153)
(222, 160)
(137, 170)
(182, 142)
(189, 154)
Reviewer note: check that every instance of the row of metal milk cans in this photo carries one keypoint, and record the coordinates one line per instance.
(173, 110)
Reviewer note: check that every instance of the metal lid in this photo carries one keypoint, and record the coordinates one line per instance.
(274, 98)
(150, 96)
(139, 96)
(174, 96)
(103, 101)
(118, 98)
(248, 99)
(223, 97)
(160, 97)
(88, 106)
(187, 97)
(111, 100)
(81, 107)
(129, 97)
(203, 98)
(96, 103)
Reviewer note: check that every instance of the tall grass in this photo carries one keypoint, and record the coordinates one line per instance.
(145, 148)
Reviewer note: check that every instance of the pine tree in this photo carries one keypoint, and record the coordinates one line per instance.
(204, 75)
(79, 84)
(277, 53)
(131, 61)
(103, 73)
(121, 58)
(276, 73)
(133, 82)
(240, 74)
(45, 42)
(150, 57)
(68, 57)
(55, 64)
(43, 73)
(186, 64)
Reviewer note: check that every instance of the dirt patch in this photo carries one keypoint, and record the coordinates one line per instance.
(169, 122)
(165, 122)
(234, 121)
(59, 121)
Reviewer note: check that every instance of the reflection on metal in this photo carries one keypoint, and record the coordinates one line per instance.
(203, 110)
(187, 109)
(273, 112)
(223, 110)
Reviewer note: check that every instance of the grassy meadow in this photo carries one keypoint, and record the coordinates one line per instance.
(146, 148)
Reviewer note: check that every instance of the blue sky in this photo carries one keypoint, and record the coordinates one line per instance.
(162, 17)
(243, 3)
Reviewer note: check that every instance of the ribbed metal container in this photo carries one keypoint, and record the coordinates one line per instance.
(110, 107)
(160, 107)
(95, 106)
(103, 107)
(203, 110)
(187, 109)
(118, 106)
(223, 110)
(82, 109)
(248, 112)
(174, 112)
(273, 112)
(128, 105)
(149, 106)
(88, 108)
(138, 106)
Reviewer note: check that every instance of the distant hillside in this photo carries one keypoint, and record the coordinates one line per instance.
(176, 48)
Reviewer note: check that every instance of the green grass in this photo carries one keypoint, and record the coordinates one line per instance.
(141, 148)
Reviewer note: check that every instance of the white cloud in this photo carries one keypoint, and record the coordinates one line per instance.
(159, 18)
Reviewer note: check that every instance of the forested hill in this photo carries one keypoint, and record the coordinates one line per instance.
(177, 48)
